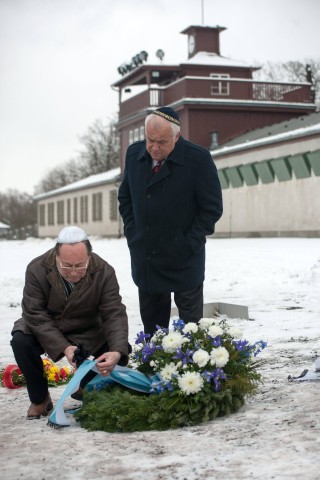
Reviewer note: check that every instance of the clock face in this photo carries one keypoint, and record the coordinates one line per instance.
(192, 44)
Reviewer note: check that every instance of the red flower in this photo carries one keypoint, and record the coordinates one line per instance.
(7, 376)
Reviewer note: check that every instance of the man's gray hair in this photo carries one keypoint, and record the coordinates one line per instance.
(151, 116)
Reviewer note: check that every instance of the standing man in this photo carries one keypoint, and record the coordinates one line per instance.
(170, 199)
(70, 298)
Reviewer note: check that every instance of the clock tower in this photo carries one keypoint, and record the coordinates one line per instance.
(203, 39)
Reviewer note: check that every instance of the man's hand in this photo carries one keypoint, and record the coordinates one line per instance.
(107, 361)
(69, 353)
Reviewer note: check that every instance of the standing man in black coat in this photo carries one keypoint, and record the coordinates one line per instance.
(170, 199)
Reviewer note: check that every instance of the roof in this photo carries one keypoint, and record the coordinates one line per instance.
(289, 129)
(99, 179)
(4, 225)
(208, 58)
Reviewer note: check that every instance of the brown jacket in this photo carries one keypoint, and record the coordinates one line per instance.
(92, 315)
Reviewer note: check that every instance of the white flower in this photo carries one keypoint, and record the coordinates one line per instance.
(205, 323)
(201, 357)
(190, 382)
(157, 336)
(137, 348)
(168, 370)
(219, 357)
(172, 341)
(235, 332)
(190, 328)
(214, 331)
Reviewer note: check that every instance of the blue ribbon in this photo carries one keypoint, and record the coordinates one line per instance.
(123, 375)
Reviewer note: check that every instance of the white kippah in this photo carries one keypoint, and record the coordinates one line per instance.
(72, 234)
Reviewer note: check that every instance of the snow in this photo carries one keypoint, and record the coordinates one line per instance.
(104, 177)
(208, 58)
(274, 436)
(4, 225)
(278, 137)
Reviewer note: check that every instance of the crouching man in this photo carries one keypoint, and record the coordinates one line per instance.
(70, 299)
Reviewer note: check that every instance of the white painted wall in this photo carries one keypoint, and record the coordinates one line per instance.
(105, 227)
(279, 208)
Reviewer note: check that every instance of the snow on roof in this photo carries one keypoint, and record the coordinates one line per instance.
(4, 225)
(100, 178)
(298, 132)
(209, 58)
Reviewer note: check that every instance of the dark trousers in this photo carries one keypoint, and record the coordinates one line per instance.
(27, 351)
(155, 308)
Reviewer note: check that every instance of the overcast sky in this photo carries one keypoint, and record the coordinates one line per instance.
(58, 59)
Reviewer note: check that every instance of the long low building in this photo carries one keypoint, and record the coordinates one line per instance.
(271, 180)
(90, 203)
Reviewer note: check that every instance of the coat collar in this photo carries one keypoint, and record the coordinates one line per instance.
(176, 156)
(54, 277)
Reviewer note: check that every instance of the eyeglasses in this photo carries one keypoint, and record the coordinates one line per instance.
(72, 268)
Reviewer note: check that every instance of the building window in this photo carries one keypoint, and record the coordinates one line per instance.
(68, 210)
(219, 85)
(97, 207)
(75, 210)
(42, 215)
(136, 134)
(130, 137)
(113, 205)
(60, 212)
(51, 213)
(84, 208)
(141, 137)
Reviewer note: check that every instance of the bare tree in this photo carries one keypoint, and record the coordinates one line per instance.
(100, 154)
(293, 71)
(17, 209)
(101, 151)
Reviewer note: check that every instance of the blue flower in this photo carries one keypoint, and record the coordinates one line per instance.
(216, 342)
(185, 357)
(241, 345)
(178, 324)
(259, 346)
(161, 386)
(141, 337)
(215, 377)
(148, 350)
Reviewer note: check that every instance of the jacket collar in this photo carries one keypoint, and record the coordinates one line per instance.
(176, 156)
(54, 278)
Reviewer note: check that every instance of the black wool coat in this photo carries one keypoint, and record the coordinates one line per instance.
(168, 215)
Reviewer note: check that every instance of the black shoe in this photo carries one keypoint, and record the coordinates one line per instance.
(78, 395)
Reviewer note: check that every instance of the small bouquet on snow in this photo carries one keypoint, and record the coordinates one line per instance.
(12, 377)
(198, 372)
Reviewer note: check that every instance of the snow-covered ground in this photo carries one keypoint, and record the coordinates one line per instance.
(274, 436)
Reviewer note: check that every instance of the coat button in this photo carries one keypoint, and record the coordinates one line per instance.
(147, 227)
(149, 195)
(148, 257)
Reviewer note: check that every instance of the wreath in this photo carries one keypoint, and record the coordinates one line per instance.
(197, 372)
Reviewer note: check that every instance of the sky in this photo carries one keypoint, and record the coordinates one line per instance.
(59, 58)
(274, 436)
